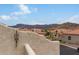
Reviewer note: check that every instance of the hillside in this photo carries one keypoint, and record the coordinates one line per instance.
(67, 25)
(34, 26)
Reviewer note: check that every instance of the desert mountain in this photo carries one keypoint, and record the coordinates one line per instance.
(66, 25)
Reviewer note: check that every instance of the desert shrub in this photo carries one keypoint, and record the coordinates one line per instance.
(51, 35)
(61, 41)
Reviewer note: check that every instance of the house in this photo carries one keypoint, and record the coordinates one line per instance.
(70, 36)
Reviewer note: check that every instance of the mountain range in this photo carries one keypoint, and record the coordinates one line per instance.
(66, 25)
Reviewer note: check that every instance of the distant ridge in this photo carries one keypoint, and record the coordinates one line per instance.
(66, 25)
(34, 26)
(69, 25)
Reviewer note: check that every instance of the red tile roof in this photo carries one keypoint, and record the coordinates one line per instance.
(69, 32)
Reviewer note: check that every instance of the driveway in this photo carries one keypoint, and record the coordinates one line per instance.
(65, 50)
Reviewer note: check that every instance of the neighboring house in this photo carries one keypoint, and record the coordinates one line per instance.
(70, 36)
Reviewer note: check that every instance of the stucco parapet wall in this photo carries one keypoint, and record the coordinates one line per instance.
(38, 43)
(30, 51)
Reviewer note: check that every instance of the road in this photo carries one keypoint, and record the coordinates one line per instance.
(65, 50)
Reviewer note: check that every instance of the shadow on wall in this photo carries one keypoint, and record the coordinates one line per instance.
(64, 50)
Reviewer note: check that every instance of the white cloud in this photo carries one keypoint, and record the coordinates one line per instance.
(23, 9)
(5, 17)
(73, 19)
(35, 9)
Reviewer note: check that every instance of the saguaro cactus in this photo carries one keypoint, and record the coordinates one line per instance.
(16, 38)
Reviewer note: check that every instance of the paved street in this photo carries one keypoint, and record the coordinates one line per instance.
(64, 50)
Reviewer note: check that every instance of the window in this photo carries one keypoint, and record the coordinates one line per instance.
(69, 37)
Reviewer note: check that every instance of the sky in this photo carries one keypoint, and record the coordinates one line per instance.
(12, 14)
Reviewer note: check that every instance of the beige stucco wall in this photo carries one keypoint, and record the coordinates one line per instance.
(74, 39)
(39, 43)
(7, 44)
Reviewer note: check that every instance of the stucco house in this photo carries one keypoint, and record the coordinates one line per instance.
(70, 36)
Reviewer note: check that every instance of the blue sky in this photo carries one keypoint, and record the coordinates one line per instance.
(12, 14)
